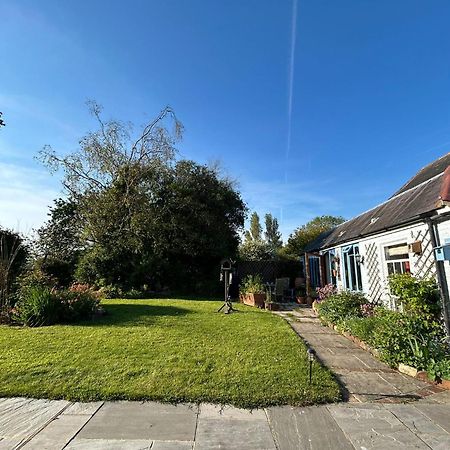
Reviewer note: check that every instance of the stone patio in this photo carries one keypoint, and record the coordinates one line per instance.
(44, 424)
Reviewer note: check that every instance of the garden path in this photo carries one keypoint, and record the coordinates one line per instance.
(362, 377)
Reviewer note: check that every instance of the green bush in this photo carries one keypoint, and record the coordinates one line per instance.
(38, 306)
(341, 306)
(401, 338)
(418, 297)
(439, 370)
(361, 327)
(78, 302)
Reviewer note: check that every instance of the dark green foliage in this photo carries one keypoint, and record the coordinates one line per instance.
(305, 234)
(13, 260)
(60, 241)
(136, 216)
(341, 306)
(185, 221)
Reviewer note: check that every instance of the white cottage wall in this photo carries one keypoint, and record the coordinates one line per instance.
(374, 268)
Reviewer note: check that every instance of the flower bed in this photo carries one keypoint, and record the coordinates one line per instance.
(414, 338)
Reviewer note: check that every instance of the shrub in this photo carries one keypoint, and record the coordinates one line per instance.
(80, 301)
(111, 291)
(341, 306)
(38, 306)
(401, 338)
(252, 284)
(439, 370)
(361, 327)
(417, 296)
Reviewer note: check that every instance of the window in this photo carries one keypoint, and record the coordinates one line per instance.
(397, 259)
(330, 267)
(352, 269)
(314, 271)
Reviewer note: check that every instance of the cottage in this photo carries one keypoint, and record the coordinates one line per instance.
(407, 233)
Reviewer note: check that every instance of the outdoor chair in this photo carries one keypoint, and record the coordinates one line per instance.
(282, 290)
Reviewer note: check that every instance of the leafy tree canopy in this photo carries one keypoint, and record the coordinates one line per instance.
(305, 234)
(142, 216)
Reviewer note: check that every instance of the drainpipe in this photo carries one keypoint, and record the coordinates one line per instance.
(441, 277)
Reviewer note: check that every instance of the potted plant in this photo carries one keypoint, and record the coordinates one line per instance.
(300, 295)
(252, 291)
(271, 305)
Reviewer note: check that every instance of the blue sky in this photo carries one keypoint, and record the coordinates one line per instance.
(361, 87)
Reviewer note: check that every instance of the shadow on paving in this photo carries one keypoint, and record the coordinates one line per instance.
(134, 314)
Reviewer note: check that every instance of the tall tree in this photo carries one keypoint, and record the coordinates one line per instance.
(272, 232)
(305, 234)
(255, 231)
(147, 218)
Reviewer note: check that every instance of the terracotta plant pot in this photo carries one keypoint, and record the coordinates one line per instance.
(301, 300)
(255, 300)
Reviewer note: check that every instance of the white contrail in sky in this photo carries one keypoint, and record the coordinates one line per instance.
(291, 78)
(290, 92)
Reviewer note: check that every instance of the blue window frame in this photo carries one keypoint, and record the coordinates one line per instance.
(351, 268)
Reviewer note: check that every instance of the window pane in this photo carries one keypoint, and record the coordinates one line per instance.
(390, 267)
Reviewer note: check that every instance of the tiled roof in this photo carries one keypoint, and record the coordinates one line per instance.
(422, 195)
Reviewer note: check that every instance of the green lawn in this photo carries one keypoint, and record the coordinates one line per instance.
(166, 350)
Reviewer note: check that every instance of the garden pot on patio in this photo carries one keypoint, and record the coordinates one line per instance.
(272, 306)
(255, 299)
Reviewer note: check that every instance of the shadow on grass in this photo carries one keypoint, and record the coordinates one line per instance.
(134, 314)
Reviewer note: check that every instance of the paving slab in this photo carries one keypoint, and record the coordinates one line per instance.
(21, 418)
(233, 433)
(440, 397)
(304, 428)
(147, 420)
(439, 414)
(57, 433)
(172, 445)
(109, 444)
(375, 428)
(313, 328)
(83, 408)
(422, 426)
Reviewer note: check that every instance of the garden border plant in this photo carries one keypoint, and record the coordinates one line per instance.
(414, 337)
